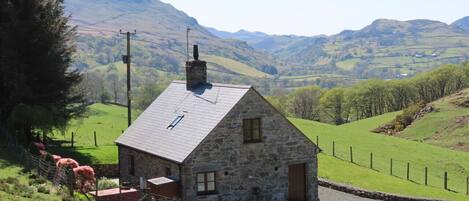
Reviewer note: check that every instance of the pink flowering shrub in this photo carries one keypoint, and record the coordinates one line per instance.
(56, 158)
(40, 145)
(84, 177)
(67, 163)
(42, 153)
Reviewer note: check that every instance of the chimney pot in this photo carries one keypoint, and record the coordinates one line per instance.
(196, 52)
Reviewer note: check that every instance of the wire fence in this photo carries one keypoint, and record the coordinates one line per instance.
(454, 180)
(44, 168)
(92, 138)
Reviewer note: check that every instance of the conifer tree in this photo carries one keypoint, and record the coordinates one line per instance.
(37, 82)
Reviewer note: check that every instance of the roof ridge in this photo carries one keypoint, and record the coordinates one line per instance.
(218, 84)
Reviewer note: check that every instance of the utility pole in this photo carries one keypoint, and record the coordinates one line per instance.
(126, 60)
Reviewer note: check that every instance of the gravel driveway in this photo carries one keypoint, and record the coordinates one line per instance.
(327, 194)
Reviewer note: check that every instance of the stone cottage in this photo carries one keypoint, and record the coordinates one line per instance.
(217, 142)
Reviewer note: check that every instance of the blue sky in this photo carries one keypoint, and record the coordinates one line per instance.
(313, 17)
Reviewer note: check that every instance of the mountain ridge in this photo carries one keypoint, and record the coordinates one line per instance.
(385, 48)
(161, 28)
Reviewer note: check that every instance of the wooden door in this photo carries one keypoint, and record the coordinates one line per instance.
(297, 182)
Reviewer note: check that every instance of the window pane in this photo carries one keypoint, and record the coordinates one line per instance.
(200, 178)
(210, 186)
(211, 176)
(200, 187)
(246, 124)
(256, 134)
(255, 123)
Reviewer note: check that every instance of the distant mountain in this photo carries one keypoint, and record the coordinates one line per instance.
(250, 37)
(462, 23)
(161, 35)
(386, 48)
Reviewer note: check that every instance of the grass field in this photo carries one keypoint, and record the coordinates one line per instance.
(419, 155)
(447, 127)
(18, 182)
(344, 172)
(109, 120)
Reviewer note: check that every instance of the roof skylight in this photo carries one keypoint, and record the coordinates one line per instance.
(175, 122)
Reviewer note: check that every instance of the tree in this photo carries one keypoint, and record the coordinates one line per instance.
(401, 94)
(147, 94)
(304, 102)
(37, 48)
(334, 106)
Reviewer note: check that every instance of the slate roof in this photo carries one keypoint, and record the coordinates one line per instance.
(203, 108)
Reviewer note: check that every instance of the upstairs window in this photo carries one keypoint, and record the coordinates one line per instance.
(206, 183)
(175, 122)
(252, 130)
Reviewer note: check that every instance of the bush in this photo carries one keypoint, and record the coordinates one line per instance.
(12, 180)
(67, 163)
(49, 158)
(43, 189)
(84, 176)
(37, 181)
(22, 190)
(105, 183)
(34, 150)
(4, 186)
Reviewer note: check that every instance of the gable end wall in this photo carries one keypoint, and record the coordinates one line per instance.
(243, 167)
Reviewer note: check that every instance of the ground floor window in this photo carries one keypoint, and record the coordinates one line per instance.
(206, 183)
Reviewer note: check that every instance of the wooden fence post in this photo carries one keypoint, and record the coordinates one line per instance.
(371, 160)
(333, 148)
(408, 170)
(95, 142)
(351, 154)
(390, 169)
(426, 176)
(446, 181)
(96, 186)
(73, 136)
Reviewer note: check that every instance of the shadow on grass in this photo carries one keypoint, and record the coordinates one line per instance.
(8, 159)
(69, 152)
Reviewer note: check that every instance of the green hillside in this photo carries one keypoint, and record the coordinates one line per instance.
(19, 185)
(419, 155)
(345, 172)
(109, 120)
(223, 64)
(161, 35)
(448, 126)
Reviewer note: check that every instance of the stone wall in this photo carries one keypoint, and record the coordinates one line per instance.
(106, 170)
(241, 168)
(369, 194)
(196, 73)
(145, 165)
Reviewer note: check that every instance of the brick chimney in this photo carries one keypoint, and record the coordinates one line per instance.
(196, 71)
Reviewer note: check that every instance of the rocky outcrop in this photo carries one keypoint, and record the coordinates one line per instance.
(404, 120)
(427, 109)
